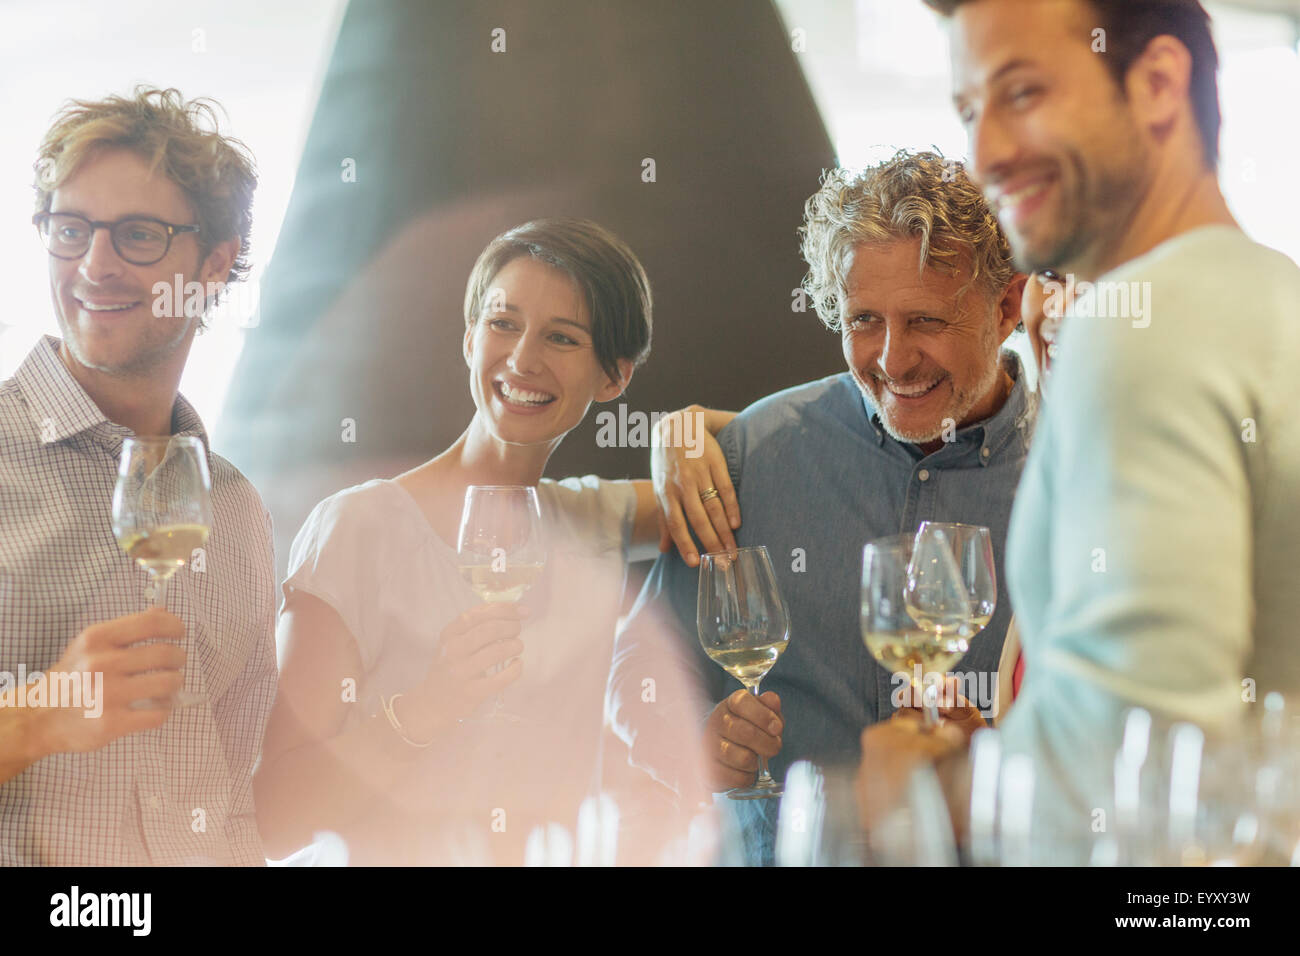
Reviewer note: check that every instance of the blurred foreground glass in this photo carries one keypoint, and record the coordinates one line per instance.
(818, 823)
(743, 627)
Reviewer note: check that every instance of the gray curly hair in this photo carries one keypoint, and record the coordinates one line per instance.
(912, 195)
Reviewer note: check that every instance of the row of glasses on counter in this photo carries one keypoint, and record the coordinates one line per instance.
(1173, 795)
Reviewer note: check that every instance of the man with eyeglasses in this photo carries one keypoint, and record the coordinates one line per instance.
(134, 194)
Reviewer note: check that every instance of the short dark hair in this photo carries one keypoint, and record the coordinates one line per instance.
(1130, 27)
(613, 282)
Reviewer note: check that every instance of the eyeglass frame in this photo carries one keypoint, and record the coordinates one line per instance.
(173, 230)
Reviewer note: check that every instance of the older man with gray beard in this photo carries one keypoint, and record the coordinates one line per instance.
(930, 421)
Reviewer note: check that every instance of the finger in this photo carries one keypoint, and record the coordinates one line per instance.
(773, 701)
(477, 664)
(699, 522)
(153, 624)
(718, 529)
(496, 611)
(748, 707)
(727, 495)
(481, 688)
(737, 730)
(735, 757)
(681, 537)
(708, 518)
(489, 632)
(138, 658)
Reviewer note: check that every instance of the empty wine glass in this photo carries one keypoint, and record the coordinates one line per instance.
(744, 628)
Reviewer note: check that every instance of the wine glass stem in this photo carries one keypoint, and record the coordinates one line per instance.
(764, 777)
(929, 707)
(160, 591)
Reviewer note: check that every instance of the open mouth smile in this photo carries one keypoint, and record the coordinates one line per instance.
(521, 397)
(912, 393)
(91, 306)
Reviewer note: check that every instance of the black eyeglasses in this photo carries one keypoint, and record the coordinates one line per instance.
(140, 241)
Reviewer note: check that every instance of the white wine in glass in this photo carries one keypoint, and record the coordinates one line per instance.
(504, 585)
(501, 550)
(891, 634)
(162, 511)
(744, 628)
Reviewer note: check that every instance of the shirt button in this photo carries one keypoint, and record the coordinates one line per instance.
(923, 474)
(984, 452)
(154, 801)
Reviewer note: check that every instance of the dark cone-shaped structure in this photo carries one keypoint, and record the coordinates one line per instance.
(427, 142)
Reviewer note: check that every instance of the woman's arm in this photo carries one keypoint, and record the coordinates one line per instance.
(313, 775)
(686, 460)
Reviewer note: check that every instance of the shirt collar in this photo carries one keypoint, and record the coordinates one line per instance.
(60, 408)
(1016, 416)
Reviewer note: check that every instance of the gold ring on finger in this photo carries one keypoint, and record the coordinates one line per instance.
(708, 494)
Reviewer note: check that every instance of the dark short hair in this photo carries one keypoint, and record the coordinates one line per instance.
(613, 283)
(1130, 27)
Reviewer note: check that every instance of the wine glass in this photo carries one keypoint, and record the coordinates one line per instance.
(952, 586)
(162, 511)
(501, 549)
(744, 628)
(889, 630)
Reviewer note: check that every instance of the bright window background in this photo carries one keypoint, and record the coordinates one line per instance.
(262, 60)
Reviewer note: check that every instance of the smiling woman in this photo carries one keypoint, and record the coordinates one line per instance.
(557, 315)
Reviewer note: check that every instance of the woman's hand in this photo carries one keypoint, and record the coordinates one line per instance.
(458, 680)
(685, 463)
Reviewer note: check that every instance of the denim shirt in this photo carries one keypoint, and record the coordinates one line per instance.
(817, 476)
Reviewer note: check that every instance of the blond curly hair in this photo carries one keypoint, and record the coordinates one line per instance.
(180, 137)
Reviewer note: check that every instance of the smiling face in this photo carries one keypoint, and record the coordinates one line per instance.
(104, 304)
(533, 370)
(918, 351)
(1053, 143)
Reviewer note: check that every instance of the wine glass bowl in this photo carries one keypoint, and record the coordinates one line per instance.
(744, 628)
(952, 579)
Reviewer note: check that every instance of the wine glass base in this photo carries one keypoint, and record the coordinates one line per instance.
(755, 793)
